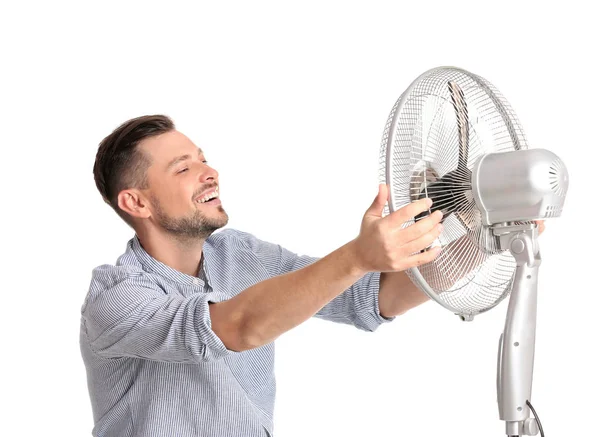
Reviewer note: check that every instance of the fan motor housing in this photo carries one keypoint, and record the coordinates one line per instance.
(519, 185)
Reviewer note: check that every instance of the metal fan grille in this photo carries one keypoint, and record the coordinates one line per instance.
(435, 133)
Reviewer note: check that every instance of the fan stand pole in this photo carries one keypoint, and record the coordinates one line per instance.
(517, 342)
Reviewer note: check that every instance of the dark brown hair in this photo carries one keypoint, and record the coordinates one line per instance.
(120, 164)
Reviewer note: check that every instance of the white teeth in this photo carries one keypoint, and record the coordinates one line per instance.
(212, 195)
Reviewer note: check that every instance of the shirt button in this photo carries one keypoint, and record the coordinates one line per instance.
(196, 281)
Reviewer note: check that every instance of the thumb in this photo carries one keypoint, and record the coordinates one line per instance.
(376, 208)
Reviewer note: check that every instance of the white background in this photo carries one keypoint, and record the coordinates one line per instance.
(290, 101)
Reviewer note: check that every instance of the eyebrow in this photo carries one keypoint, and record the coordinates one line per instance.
(181, 158)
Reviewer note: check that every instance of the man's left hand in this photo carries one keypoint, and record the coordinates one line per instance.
(541, 226)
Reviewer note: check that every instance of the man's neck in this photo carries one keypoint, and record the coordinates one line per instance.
(184, 256)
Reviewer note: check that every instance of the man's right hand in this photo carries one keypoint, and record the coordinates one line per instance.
(262, 312)
(384, 246)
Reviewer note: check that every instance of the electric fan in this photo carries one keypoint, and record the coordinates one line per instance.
(452, 137)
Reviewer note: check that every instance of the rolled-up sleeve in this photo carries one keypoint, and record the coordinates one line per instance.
(128, 315)
(358, 305)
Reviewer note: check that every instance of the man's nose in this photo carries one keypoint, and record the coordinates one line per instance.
(207, 172)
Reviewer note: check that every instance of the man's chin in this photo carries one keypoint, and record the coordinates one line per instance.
(214, 225)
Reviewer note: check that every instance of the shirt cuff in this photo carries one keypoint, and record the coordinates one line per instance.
(375, 319)
(377, 310)
(215, 346)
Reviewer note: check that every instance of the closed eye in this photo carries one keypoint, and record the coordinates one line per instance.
(186, 169)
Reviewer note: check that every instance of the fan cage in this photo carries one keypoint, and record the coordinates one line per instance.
(421, 144)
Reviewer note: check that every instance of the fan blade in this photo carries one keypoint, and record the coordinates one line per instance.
(462, 118)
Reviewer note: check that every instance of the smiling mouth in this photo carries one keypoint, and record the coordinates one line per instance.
(211, 197)
(214, 201)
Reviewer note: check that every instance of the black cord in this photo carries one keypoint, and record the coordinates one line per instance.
(537, 419)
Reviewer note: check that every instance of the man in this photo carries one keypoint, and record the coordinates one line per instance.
(177, 337)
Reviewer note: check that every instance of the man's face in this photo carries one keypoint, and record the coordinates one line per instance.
(179, 180)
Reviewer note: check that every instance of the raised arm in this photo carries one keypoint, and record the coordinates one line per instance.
(263, 312)
(127, 314)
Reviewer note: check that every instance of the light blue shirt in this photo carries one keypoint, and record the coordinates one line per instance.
(155, 367)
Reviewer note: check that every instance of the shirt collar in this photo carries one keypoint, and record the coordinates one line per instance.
(153, 265)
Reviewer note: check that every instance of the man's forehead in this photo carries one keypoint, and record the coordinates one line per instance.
(165, 147)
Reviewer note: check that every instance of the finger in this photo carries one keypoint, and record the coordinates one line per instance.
(421, 258)
(376, 208)
(421, 227)
(541, 226)
(423, 241)
(409, 211)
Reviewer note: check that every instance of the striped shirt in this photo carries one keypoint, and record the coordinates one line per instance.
(155, 367)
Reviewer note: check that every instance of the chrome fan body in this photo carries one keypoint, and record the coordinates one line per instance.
(454, 138)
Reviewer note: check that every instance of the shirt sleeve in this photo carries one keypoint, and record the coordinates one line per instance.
(358, 305)
(126, 314)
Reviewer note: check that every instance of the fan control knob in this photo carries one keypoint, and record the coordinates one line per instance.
(517, 246)
(530, 427)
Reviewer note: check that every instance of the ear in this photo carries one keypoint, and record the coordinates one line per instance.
(133, 203)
